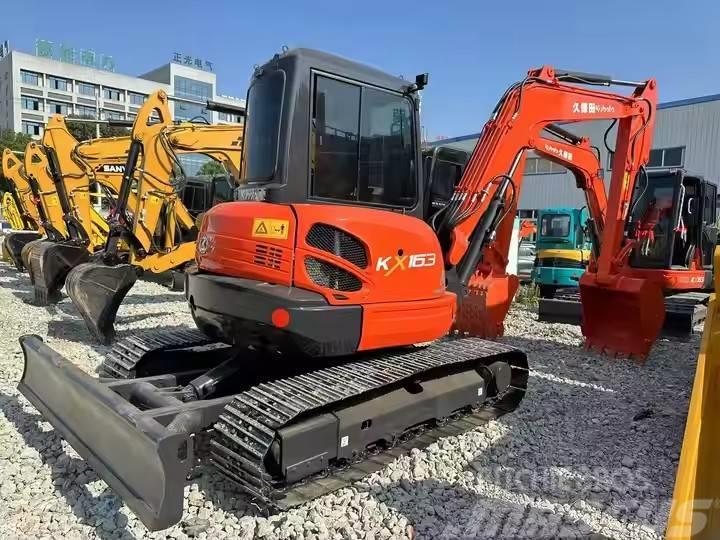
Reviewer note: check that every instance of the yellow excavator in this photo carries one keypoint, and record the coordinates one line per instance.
(153, 231)
(29, 226)
(47, 201)
(49, 260)
(695, 511)
(76, 167)
(11, 212)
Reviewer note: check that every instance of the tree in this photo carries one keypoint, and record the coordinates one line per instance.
(212, 168)
(83, 131)
(15, 142)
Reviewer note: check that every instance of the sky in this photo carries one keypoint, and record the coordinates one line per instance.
(472, 50)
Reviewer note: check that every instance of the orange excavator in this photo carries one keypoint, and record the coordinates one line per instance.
(327, 295)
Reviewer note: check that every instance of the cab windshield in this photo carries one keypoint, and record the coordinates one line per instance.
(555, 226)
(262, 127)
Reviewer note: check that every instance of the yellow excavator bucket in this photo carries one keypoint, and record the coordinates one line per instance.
(695, 511)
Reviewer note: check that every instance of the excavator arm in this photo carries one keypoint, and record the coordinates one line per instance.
(154, 167)
(13, 171)
(473, 230)
(577, 155)
(44, 191)
(149, 212)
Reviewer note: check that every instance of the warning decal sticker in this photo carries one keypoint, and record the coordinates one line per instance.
(277, 229)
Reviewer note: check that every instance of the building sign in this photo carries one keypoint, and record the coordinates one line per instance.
(4, 48)
(70, 55)
(187, 60)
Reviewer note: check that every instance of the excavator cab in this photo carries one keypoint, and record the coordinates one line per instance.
(202, 192)
(443, 167)
(675, 214)
(354, 142)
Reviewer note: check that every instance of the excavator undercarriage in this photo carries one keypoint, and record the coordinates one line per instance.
(277, 438)
(340, 312)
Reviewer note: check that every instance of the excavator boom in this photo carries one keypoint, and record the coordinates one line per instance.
(473, 227)
(27, 206)
(151, 229)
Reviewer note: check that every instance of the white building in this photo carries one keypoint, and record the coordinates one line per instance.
(33, 88)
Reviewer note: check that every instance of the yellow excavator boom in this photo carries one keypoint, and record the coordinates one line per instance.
(11, 213)
(156, 232)
(13, 170)
(37, 171)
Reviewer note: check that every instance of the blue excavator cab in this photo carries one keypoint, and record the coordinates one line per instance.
(563, 249)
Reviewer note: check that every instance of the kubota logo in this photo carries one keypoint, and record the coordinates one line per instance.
(403, 262)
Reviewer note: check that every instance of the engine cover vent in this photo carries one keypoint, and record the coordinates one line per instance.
(338, 242)
(328, 275)
(269, 256)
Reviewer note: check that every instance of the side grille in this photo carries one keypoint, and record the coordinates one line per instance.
(328, 275)
(337, 242)
(268, 256)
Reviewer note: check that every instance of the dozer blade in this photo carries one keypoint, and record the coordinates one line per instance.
(483, 311)
(623, 319)
(97, 291)
(50, 263)
(14, 243)
(141, 459)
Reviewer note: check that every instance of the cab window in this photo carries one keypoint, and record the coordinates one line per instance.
(362, 144)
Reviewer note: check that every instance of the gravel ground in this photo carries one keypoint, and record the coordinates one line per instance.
(591, 452)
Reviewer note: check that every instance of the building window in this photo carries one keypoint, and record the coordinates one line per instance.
(363, 141)
(31, 104)
(113, 115)
(228, 117)
(667, 157)
(113, 94)
(86, 89)
(85, 112)
(57, 107)
(28, 77)
(190, 111)
(137, 99)
(537, 165)
(56, 83)
(31, 128)
(191, 89)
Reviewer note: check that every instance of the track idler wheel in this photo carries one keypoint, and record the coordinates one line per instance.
(14, 243)
(623, 318)
(97, 291)
(50, 263)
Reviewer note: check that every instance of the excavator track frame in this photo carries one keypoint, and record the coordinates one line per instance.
(145, 452)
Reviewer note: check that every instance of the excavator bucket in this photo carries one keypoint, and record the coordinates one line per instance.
(97, 291)
(25, 255)
(483, 310)
(621, 319)
(49, 265)
(14, 244)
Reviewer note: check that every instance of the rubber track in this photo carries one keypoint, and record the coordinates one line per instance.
(127, 353)
(247, 428)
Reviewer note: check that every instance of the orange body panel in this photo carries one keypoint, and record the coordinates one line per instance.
(402, 285)
(387, 324)
(226, 244)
